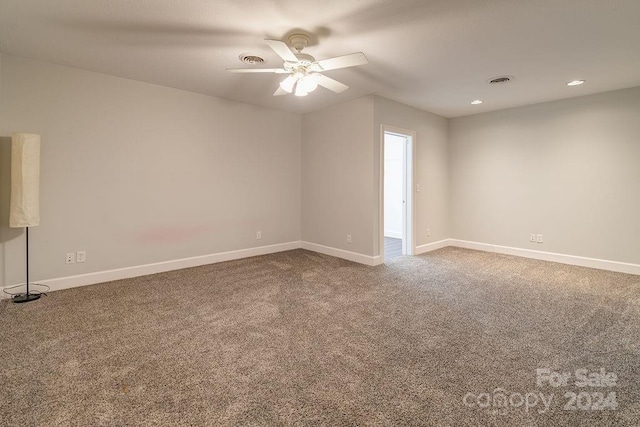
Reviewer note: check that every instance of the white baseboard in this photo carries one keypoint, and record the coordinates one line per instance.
(341, 253)
(142, 270)
(432, 246)
(601, 264)
(393, 234)
(159, 267)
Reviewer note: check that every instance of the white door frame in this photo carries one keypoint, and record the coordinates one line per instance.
(410, 187)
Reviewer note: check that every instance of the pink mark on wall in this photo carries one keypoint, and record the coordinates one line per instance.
(170, 235)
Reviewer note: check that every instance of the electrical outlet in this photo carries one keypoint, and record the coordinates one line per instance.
(417, 188)
(428, 232)
(539, 238)
(81, 256)
(258, 235)
(532, 237)
(71, 258)
(348, 238)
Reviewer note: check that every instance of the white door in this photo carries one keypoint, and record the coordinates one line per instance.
(397, 171)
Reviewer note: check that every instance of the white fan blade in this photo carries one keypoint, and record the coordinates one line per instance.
(282, 50)
(280, 92)
(331, 84)
(257, 70)
(345, 61)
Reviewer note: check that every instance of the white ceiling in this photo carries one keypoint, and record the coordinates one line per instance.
(432, 54)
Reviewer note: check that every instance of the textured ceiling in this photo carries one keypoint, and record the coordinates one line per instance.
(436, 55)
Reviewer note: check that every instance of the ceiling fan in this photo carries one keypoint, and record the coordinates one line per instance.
(304, 71)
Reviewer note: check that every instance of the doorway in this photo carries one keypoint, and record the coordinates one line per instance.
(397, 197)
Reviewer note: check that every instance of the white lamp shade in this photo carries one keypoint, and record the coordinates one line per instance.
(25, 180)
(308, 83)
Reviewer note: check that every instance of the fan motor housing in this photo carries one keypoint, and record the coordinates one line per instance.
(299, 41)
(305, 59)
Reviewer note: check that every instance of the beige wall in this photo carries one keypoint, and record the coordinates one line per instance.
(340, 173)
(135, 173)
(337, 176)
(431, 163)
(5, 190)
(569, 170)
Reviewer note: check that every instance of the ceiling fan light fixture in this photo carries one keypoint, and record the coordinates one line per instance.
(303, 71)
(288, 83)
(300, 90)
(307, 84)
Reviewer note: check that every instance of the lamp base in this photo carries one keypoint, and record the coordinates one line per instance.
(25, 298)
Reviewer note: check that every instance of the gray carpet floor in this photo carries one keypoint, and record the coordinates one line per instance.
(298, 338)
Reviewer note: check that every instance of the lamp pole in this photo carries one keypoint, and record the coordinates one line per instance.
(26, 297)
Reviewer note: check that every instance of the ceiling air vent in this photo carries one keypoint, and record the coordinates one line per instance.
(251, 59)
(500, 80)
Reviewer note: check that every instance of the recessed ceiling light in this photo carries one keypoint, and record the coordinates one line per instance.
(477, 101)
(575, 82)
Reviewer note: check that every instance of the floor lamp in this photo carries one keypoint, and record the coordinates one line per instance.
(25, 192)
